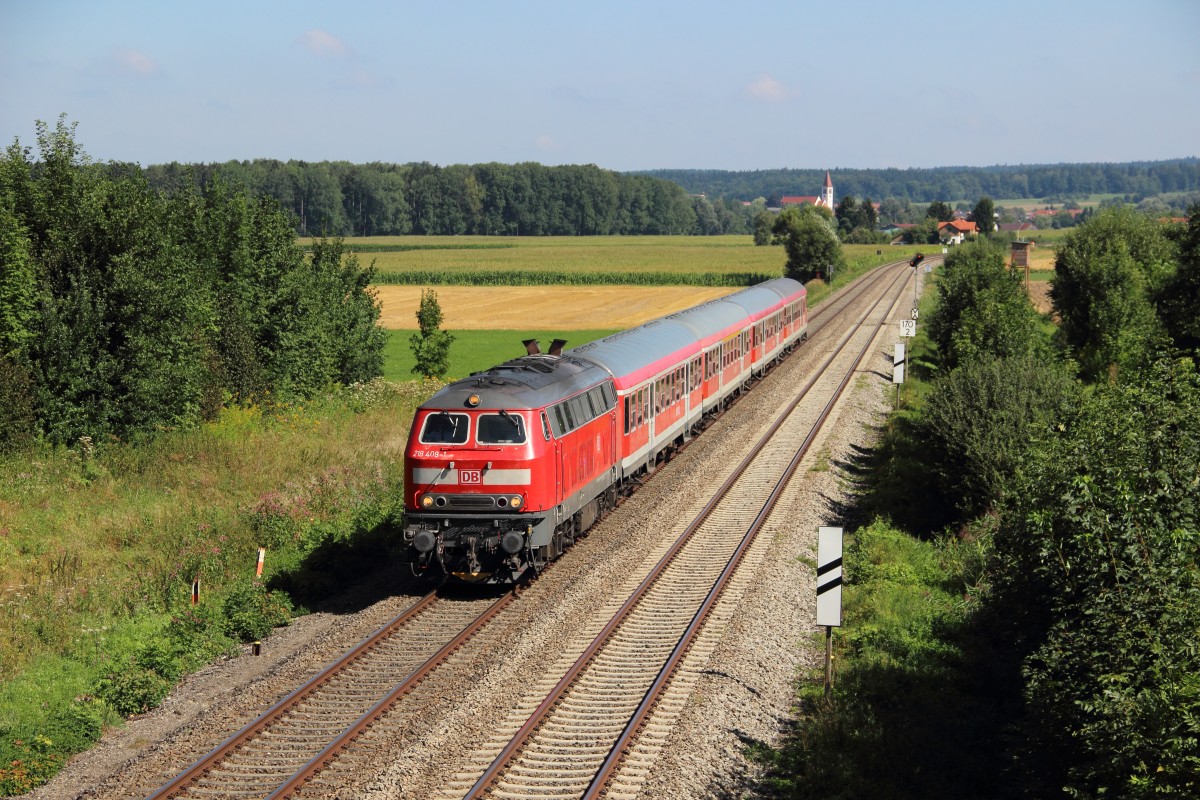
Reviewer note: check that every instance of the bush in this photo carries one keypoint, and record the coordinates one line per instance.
(982, 308)
(17, 418)
(251, 612)
(133, 690)
(196, 636)
(1099, 563)
(1106, 275)
(33, 762)
(980, 419)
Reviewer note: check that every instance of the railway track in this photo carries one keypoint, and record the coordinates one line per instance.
(289, 743)
(281, 753)
(574, 742)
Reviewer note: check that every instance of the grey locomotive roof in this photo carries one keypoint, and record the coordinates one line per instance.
(526, 382)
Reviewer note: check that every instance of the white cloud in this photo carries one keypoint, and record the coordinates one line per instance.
(546, 143)
(135, 61)
(323, 43)
(767, 89)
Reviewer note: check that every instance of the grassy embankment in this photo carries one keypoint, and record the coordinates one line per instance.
(921, 697)
(100, 542)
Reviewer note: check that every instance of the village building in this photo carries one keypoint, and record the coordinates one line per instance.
(956, 230)
(824, 200)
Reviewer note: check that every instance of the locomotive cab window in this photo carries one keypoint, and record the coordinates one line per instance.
(442, 427)
(502, 428)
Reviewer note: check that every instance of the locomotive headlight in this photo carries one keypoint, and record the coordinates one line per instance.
(427, 501)
(515, 501)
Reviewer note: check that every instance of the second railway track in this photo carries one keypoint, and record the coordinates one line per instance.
(572, 744)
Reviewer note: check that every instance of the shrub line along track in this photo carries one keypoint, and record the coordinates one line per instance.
(585, 720)
(279, 752)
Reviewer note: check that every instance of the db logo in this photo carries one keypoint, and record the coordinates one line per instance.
(470, 477)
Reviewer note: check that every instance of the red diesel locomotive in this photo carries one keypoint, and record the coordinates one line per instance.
(504, 469)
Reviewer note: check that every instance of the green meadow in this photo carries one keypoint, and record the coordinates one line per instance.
(475, 351)
(630, 260)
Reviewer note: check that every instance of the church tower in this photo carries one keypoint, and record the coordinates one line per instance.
(827, 192)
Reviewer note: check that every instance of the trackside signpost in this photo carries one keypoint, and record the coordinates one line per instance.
(829, 592)
(898, 367)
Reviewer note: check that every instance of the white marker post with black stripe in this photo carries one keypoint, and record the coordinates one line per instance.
(829, 592)
(898, 369)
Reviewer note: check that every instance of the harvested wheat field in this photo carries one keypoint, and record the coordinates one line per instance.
(550, 307)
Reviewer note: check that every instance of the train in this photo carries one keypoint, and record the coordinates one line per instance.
(505, 469)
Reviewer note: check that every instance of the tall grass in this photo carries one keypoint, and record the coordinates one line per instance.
(100, 544)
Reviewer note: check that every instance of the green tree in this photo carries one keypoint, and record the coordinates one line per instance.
(1179, 298)
(940, 211)
(869, 216)
(847, 215)
(431, 345)
(982, 308)
(980, 420)
(1097, 565)
(810, 242)
(1105, 276)
(984, 214)
(763, 221)
(895, 209)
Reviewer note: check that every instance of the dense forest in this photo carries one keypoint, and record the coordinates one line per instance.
(1136, 180)
(337, 198)
(529, 199)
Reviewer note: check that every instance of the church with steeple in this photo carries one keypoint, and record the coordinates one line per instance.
(825, 198)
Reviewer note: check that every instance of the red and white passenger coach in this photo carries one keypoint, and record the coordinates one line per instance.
(505, 468)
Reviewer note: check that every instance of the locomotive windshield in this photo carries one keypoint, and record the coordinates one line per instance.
(502, 428)
(443, 427)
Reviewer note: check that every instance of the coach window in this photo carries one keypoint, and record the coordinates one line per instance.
(442, 427)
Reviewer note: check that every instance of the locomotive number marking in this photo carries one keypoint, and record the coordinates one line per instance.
(470, 477)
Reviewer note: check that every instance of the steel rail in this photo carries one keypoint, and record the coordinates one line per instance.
(292, 700)
(625, 741)
(275, 712)
(377, 711)
(537, 718)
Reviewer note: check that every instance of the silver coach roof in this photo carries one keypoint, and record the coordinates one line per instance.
(627, 352)
(636, 349)
(758, 299)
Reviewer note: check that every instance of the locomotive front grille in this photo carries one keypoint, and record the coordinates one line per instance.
(474, 502)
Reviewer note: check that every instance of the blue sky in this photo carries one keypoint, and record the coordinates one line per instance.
(624, 85)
